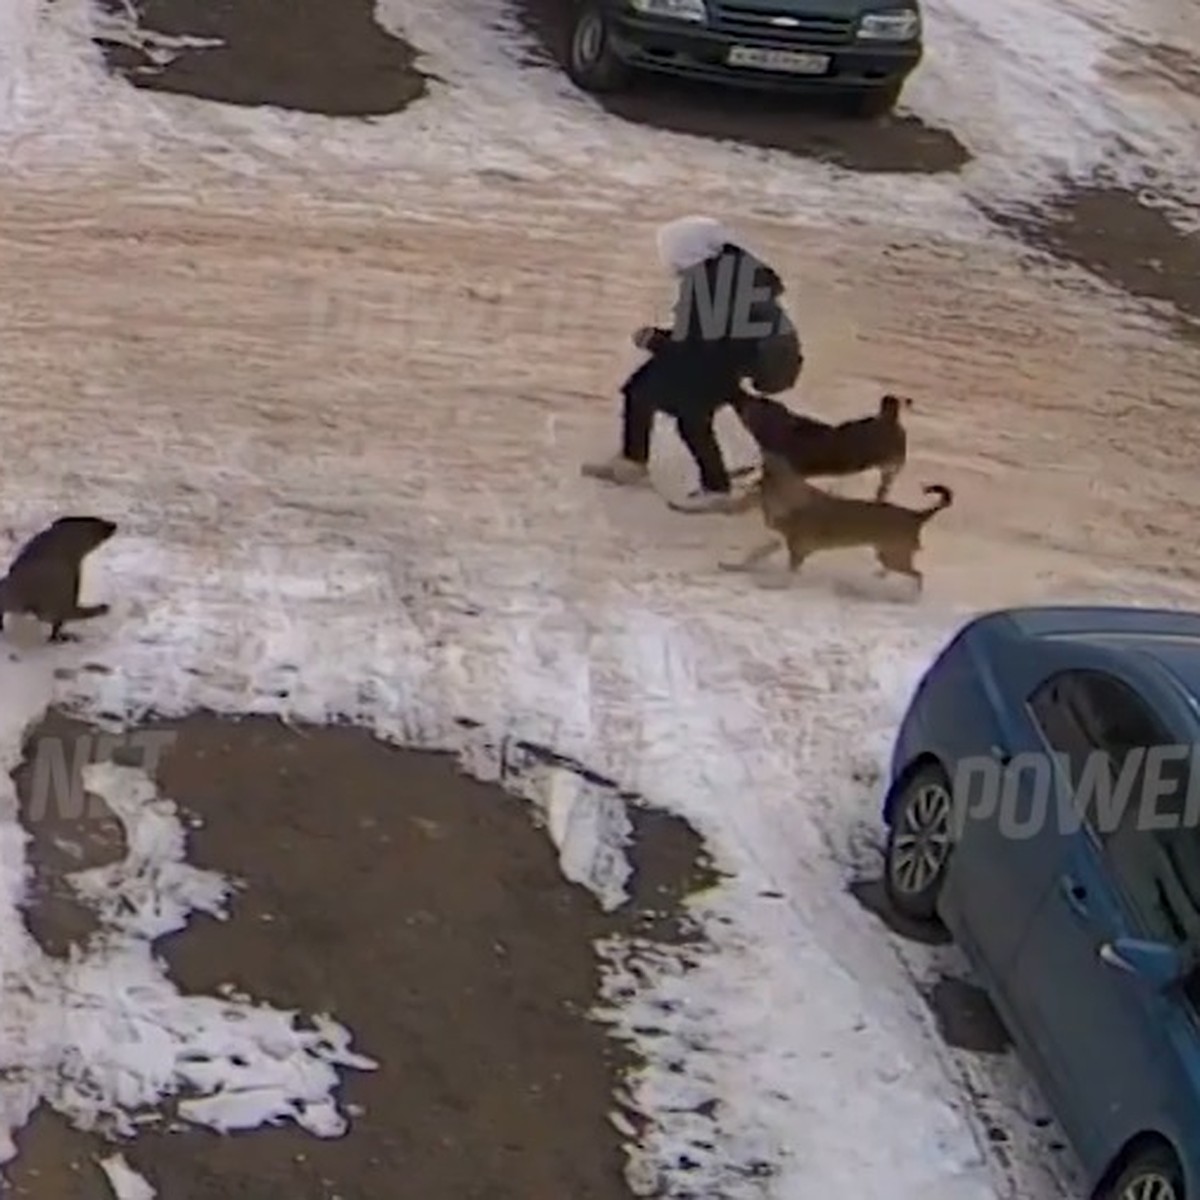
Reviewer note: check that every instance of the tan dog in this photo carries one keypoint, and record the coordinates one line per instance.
(809, 520)
(815, 449)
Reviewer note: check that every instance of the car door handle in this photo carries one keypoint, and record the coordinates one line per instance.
(1108, 954)
(1075, 894)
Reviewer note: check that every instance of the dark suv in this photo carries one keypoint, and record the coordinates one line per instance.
(862, 48)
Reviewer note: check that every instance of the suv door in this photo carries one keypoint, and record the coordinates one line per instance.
(1101, 1033)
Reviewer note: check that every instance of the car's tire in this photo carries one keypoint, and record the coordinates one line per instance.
(876, 101)
(919, 844)
(591, 62)
(1152, 1175)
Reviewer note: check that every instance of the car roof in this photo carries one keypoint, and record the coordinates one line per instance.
(1168, 638)
(1101, 622)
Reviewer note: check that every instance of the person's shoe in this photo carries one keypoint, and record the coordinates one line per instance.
(618, 469)
(707, 502)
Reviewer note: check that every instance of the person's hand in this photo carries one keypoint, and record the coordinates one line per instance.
(644, 336)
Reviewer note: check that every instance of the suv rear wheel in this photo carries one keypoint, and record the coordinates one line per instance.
(591, 63)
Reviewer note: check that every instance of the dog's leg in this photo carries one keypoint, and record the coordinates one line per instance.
(755, 556)
(57, 634)
(797, 553)
(78, 612)
(887, 476)
(900, 562)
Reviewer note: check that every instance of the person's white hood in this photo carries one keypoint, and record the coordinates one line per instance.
(688, 241)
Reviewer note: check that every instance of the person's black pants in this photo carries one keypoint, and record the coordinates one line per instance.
(695, 426)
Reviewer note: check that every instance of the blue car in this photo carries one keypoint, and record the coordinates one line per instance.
(1081, 918)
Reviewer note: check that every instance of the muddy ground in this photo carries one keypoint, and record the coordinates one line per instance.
(1124, 240)
(426, 912)
(322, 57)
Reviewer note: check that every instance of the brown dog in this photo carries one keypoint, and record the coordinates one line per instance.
(818, 450)
(44, 577)
(809, 519)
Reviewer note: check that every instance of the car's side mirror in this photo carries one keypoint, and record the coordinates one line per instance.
(1156, 963)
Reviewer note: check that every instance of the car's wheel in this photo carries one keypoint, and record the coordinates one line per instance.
(1153, 1175)
(591, 62)
(876, 101)
(919, 844)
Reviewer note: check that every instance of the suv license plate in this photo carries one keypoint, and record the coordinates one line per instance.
(792, 61)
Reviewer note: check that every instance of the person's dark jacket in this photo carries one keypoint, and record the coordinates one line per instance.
(729, 325)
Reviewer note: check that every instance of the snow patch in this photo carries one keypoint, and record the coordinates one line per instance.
(125, 1182)
(152, 891)
(769, 1048)
(589, 827)
(1028, 87)
(105, 1037)
(122, 28)
(587, 823)
(586, 820)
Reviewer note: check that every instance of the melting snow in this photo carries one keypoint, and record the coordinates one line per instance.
(125, 1182)
(794, 1036)
(105, 1034)
(1029, 87)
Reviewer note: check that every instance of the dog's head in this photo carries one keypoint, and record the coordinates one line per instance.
(83, 533)
(775, 470)
(891, 404)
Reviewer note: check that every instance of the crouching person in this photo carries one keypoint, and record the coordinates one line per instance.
(729, 325)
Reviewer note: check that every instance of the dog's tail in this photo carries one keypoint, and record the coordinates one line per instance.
(945, 498)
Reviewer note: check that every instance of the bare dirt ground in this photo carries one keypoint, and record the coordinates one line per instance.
(427, 912)
(328, 59)
(1124, 241)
